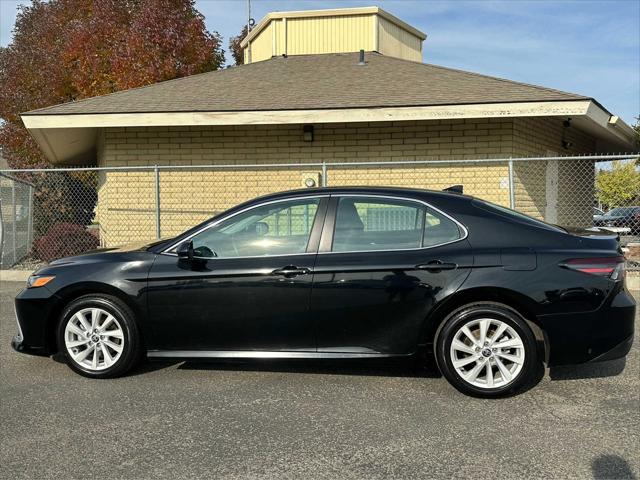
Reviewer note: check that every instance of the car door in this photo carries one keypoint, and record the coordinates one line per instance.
(248, 286)
(383, 263)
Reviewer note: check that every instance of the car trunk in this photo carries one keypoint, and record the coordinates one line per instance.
(596, 239)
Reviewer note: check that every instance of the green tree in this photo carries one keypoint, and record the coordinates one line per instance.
(237, 52)
(619, 186)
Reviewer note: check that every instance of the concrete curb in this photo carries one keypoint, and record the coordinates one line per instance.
(14, 275)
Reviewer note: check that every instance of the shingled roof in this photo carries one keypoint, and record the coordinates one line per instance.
(309, 82)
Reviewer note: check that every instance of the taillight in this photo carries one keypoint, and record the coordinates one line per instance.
(612, 267)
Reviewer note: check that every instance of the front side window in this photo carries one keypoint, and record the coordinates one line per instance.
(280, 228)
(365, 224)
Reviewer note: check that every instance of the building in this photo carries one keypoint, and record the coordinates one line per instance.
(305, 96)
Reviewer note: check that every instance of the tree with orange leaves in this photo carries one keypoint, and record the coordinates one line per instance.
(66, 50)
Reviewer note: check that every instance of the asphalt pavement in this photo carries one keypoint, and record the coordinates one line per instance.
(299, 420)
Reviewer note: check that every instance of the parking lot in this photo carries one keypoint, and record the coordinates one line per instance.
(309, 420)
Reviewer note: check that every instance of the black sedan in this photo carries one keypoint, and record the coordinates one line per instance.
(343, 273)
(621, 220)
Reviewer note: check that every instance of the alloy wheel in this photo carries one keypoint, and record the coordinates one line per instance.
(94, 339)
(487, 353)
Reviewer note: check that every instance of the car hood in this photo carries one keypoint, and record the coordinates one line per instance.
(107, 252)
(133, 252)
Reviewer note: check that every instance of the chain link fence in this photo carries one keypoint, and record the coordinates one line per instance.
(16, 220)
(48, 214)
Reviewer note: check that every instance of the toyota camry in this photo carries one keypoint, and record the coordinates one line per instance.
(339, 273)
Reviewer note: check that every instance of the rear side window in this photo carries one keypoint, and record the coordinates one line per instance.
(439, 229)
(365, 224)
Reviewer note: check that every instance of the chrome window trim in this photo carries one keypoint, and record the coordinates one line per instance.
(220, 220)
(406, 199)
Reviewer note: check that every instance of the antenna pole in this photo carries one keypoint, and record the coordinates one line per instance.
(248, 30)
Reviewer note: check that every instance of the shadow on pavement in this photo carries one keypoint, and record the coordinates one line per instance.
(408, 367)
(611, 467)
(611, 368)
(386, 368)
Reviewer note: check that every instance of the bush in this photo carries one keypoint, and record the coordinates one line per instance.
(63, 197)
(64, 240)
(618, 186)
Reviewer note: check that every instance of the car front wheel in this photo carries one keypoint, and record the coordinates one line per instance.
(486, 350)
(98, 336)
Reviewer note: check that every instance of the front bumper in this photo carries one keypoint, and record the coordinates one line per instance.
(17, 343)
(598, 336)
(35, 313)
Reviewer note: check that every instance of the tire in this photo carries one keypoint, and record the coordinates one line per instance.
(117, 344)
(484, 368)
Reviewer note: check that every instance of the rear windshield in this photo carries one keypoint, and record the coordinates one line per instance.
(514, 215)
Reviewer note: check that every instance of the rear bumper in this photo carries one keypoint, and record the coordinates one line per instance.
(616, 352)
(597, 336)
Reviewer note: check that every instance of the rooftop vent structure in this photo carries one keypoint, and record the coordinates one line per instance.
(332, 31)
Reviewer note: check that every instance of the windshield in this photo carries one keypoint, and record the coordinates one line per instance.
(507, 212)
(620, 212)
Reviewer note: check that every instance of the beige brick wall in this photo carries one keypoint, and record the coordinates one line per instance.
(127, 199)
(543, 137)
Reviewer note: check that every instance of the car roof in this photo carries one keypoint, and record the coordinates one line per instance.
(364, 190)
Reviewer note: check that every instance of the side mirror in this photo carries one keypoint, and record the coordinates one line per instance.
(185, 250)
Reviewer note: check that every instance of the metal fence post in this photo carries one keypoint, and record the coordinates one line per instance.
(15, 220)
(30, 219)
(157, 179)
(512, 187)
(324, 174)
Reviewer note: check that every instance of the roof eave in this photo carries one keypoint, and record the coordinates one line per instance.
(52, 131)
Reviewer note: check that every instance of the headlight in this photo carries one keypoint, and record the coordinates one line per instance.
(35, 281)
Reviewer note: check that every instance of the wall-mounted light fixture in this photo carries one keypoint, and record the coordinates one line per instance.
(566, 144)
(307, 133)
(310, 179)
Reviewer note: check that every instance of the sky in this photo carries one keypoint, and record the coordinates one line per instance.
(580, 46)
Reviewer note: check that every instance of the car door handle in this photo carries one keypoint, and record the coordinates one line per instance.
(291, 271)
(436, 266)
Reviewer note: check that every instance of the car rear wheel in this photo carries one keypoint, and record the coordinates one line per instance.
(486, 350)
(98, 336)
